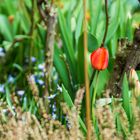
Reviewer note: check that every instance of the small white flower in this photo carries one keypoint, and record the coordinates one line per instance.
(41, 66)
(54, 116)
(1, 49)
(2, 54)
(4, 111)
(59, 88)
(52, 96)
(20, 92)
(10, 79)
(2, 90)
(41, 82)
(54, 108)
(33, 59)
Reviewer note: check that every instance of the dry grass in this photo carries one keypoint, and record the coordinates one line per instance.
(26, 126)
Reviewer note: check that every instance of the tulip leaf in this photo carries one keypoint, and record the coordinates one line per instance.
(5, 29)
(61, 68)
(103, 77)
(69, 102)
(80, 60)
(126, 98)
(67, 97)
(118, 123)
(138, 73)
(95, 10)
(8, 99)
(120, 126)
(114, 21)
(42, 33)
(92, 43)
(79, 26)
(67, 43)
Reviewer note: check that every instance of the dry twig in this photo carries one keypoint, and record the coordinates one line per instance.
(48, 15)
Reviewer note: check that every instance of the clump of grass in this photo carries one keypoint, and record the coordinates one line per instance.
(25, 125)
(106, 123)
(33, 86)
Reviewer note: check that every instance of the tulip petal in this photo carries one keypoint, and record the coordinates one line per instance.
(99, 58)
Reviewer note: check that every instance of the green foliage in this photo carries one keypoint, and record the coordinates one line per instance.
(5, 28)
(126, 99)
(22, 51)
(60, 65)
(69, 102)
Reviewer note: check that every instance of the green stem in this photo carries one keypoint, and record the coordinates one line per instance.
(31, 33)
(107, 22)
(94, 97)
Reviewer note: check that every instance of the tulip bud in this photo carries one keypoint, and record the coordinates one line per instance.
(137, 89)
(133, 77)
(99, 58)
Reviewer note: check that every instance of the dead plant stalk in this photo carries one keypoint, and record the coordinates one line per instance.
(88, 123)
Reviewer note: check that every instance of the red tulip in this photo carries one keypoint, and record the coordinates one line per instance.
(99, 58)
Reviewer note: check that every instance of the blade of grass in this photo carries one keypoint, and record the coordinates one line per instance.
(8, 99)
(69, 102)
(126, 98)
